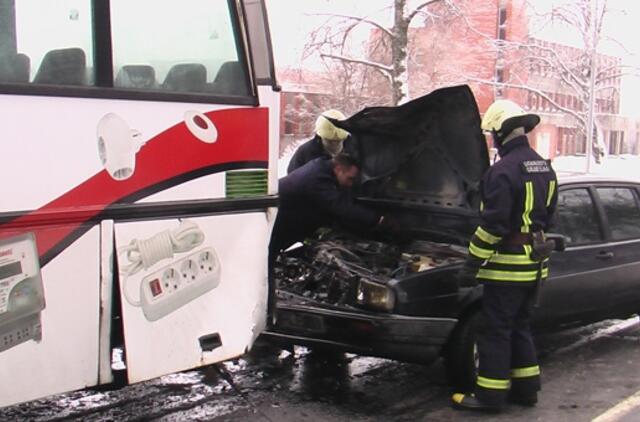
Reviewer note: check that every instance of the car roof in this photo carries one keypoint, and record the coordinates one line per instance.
(565, 178)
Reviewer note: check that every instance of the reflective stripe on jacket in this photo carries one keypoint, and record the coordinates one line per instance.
(519, 194)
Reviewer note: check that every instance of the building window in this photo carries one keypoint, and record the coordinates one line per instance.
(502, 33)
(547, 103)
(581, 144)
(562, 139)
(502, 22)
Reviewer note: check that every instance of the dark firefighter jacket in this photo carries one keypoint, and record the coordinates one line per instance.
(313, 149)
(518, 195)
(310, 198)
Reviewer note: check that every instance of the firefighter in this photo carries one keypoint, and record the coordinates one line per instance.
(329, 140)
(315, 195)
(508, 254)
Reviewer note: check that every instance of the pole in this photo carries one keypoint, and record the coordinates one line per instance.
(592, 84)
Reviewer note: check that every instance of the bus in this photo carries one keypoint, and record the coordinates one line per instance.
(139, 185)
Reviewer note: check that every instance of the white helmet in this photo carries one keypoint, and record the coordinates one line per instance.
(326, 130)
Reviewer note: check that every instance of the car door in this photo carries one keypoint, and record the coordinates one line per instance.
(619, 204)
(575, 289)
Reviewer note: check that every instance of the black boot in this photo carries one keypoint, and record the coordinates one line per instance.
(528, 400)
(470, 402)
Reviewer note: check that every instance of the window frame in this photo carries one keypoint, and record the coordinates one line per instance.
(270, 79)
(104, 78)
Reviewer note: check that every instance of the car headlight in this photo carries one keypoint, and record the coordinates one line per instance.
(375, 296)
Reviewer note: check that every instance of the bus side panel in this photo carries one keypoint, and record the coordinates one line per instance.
(88, 154)
(202, 302)
(69, 163)
(49, 320)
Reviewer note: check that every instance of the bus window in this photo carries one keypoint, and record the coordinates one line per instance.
(49, 42)
(187, 46)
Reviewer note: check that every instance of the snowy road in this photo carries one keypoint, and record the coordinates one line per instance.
(585, 372)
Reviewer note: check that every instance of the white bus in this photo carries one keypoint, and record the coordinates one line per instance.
(138, 159)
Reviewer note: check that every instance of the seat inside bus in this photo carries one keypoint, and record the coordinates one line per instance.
(186, 77)
(15, 68)
(230, 80)
(136, 76)
(66, 66)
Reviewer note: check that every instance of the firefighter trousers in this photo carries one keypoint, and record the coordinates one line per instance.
(508, 361)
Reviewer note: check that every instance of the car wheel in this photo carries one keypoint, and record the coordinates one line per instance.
(461, 355)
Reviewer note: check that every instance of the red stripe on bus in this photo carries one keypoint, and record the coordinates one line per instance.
(242, 136)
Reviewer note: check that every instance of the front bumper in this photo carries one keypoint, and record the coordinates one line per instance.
(406, 338)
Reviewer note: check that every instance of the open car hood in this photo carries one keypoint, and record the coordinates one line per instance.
(427, 152)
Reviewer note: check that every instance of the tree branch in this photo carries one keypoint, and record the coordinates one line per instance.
(617, 75)
(527, 88)
(359, 20)
(568, 77)
(384, 69)
(418, 8)
(558, 61)
(618, 68)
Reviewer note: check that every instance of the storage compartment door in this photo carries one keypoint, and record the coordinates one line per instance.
(194, 291)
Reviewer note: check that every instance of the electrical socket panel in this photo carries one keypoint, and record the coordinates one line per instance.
(178, 283)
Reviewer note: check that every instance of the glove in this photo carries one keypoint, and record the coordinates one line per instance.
(466, 276)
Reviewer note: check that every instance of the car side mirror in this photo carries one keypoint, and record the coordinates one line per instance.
(558, 239)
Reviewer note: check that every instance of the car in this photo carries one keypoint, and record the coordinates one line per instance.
(393, 294)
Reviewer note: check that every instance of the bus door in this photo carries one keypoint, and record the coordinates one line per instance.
(136, 158)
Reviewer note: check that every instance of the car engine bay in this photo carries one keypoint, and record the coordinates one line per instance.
(328, 270)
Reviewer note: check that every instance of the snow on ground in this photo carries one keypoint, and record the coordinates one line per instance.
(626, 165)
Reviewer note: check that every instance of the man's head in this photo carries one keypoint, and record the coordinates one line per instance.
(332, 136)
(346, 169)
(504, 117)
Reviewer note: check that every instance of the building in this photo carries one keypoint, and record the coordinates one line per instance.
(487, 45)
(306, 94)
(303, 95)
(490, 48)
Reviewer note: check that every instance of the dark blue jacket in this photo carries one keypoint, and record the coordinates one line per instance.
(519, 195)
(310, 198)
(313, 149)
(503, 190)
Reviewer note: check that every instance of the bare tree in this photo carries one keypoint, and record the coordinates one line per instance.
(349, 84)
(576, 81)
(387, 55)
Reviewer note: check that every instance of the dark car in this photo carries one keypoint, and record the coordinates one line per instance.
(394, 295)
